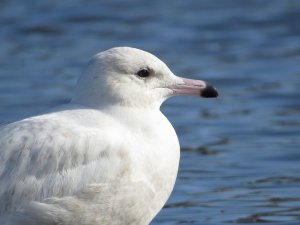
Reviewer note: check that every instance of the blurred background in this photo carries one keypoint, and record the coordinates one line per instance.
(240, 153)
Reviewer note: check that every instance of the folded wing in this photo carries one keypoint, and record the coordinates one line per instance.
(46, 159)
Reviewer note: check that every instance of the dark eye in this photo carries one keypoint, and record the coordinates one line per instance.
(143, 72)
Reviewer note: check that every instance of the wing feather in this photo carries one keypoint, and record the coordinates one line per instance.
(47, 156)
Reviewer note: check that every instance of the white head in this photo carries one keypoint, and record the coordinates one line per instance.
(135, 78)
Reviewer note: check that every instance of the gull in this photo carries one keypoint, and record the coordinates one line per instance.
(109, 157)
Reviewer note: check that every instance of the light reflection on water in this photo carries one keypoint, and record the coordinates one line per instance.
(240, 153)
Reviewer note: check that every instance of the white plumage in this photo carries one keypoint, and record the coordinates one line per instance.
(109, 157)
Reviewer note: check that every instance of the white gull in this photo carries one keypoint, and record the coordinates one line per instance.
(109, 157)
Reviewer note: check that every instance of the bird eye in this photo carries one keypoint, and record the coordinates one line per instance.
(143, 72)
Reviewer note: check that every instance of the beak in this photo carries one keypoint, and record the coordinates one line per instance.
(194, 88)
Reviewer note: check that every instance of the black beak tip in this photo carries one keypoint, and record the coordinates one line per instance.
(209, 92)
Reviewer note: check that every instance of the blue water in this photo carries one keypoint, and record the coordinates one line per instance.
(240, 160)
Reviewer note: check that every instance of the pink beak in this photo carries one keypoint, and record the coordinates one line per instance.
(194, 88)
